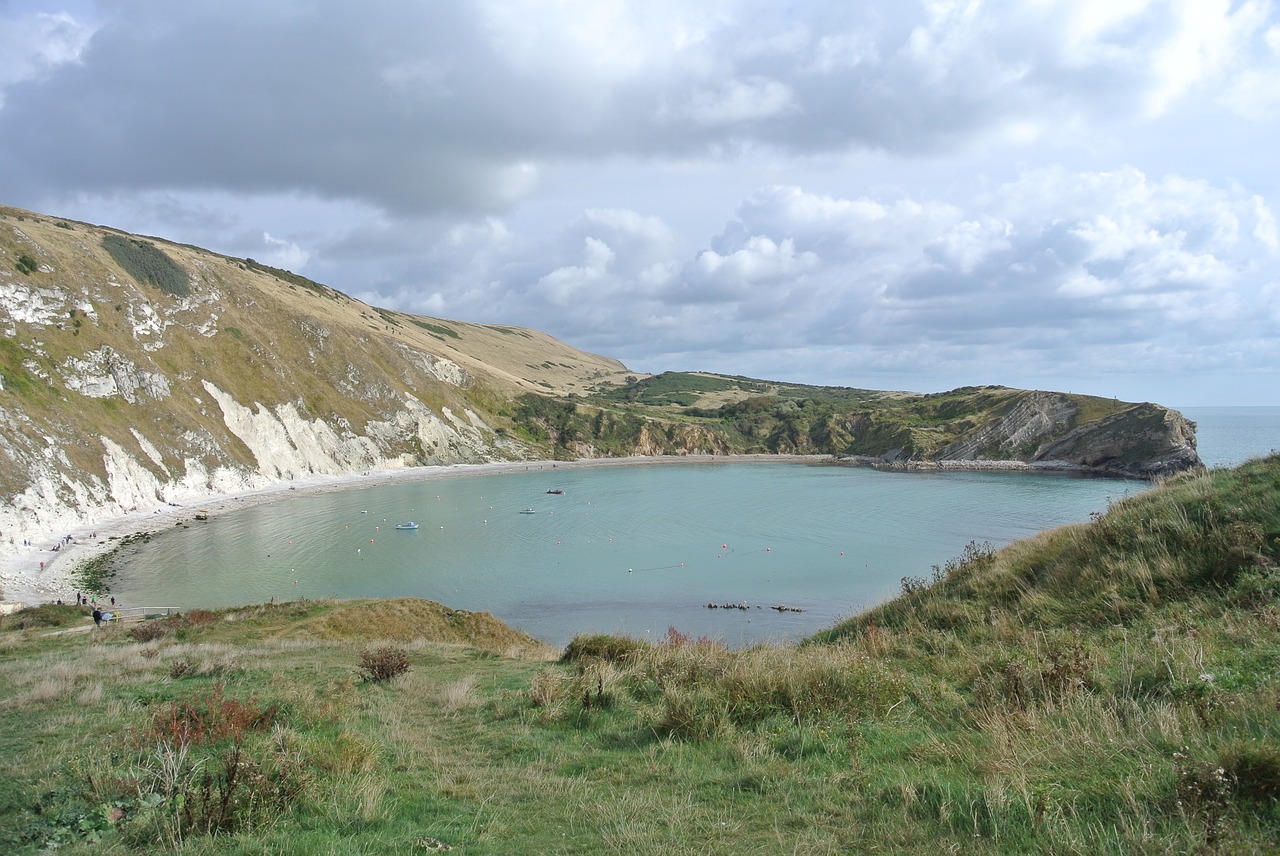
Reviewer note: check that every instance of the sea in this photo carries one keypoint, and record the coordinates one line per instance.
(738, 552)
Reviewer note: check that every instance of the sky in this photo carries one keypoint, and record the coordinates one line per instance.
(1076, 195)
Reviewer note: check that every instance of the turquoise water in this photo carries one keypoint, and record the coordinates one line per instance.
(631, 549)
(624, 549)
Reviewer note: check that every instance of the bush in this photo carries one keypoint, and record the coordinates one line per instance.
(383, 664)
(148, 264)
(603, 646)
(26, 264)
(207, 765)
(148, 631)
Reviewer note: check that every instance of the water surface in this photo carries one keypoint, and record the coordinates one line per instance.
(635, 549)
(630, 549)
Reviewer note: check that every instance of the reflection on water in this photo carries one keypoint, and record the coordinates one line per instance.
(623, 549)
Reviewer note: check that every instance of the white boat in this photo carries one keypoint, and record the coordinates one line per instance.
(528, 511)
(409, 525)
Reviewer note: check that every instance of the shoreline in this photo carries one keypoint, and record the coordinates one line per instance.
(23, 580)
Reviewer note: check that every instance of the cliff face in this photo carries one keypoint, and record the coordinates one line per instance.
(122, 391)
(136, 372)
(1044, 429)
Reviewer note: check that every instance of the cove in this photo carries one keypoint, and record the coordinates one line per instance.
(624, 549)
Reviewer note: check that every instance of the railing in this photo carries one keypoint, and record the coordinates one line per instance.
(139, 613)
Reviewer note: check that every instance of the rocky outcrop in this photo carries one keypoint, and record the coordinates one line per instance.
(1041, 429)
(1144, 441)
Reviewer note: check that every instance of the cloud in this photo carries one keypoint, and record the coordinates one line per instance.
(34, 46)
(462, 107)
(945, 187)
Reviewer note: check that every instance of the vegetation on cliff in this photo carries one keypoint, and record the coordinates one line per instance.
(1109, 687)
(678, 412)
(135, 370)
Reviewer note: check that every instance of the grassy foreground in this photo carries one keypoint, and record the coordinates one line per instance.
(1112, 687)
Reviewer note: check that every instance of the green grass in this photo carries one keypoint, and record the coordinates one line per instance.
(1104, 688)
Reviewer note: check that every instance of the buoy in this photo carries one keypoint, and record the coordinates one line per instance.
(768, 549)
(842, 552)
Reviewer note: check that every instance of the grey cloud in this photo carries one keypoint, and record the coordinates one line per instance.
(435, 107)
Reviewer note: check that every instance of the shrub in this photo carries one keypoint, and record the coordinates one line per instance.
(206, 766)
(148, 264)
(26, 264)
(383, 664)
(603, 646)
(148, 631)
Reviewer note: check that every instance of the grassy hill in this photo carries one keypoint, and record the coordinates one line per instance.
(1110, 687)
(136, 371)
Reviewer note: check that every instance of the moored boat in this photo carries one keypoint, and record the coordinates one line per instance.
(409, 525)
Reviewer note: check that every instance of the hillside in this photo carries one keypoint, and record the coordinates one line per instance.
(1109, 687)
(136, 372)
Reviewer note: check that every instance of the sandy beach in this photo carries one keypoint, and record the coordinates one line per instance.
(36, 574)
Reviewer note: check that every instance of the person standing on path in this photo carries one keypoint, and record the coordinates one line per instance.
(97, 616)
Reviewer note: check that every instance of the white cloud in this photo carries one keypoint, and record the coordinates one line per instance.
(952, 188)
(283, 254)
(37, 44)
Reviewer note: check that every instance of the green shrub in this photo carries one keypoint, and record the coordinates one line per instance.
(26, 264)
(148, 264)
(603, 646)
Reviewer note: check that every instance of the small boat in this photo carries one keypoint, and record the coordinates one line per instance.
(557, 491)
(528, 511)
(202, 514)
(409, 525)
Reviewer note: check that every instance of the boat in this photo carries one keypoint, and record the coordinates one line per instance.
(409, 525)
(557, 491)
(202, 514)
(528, 511)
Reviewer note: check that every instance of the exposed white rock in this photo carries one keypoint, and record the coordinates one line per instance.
(24, 304)
(146, 322)
(104, 373)
(149, 449)
(440, 368)
(132, 485)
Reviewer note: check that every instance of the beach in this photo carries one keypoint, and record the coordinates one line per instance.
(24, 581)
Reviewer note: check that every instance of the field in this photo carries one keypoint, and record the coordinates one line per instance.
(1112, 687)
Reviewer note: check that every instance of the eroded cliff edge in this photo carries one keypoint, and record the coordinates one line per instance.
(136, 373)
